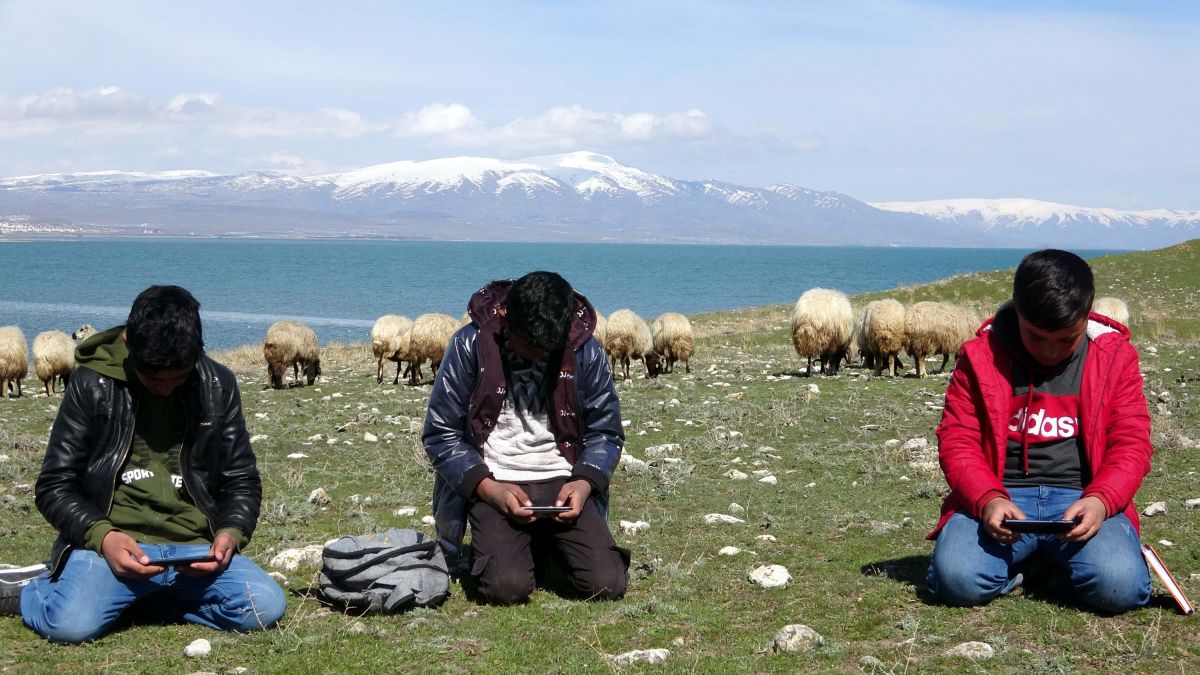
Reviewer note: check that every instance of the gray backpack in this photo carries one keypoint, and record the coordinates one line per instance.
(386, 572)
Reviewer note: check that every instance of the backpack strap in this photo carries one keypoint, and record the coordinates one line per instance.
(385, 553)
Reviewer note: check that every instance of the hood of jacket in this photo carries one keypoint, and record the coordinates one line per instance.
(486, 304)
(105, 352)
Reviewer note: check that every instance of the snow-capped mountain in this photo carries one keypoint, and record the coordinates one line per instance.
(1017, 221)
(578, 196)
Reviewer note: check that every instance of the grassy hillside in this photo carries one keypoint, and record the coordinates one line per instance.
(855, 492)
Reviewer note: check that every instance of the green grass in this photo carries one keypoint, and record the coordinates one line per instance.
(849, 512)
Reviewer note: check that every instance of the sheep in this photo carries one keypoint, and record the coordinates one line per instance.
(937, 328)
(385, 342)
(821, 328)
(53, 358)
(673, 340)
(883, 330)
(1113, 308)
(627, 337)
(294, 344)
(428, 339)
(601, 328)
(83, 332)
(14, 359)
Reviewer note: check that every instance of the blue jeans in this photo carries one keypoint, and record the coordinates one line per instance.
(87, 597)
(1106, 572)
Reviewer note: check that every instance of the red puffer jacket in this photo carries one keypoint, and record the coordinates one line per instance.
(1114, 417)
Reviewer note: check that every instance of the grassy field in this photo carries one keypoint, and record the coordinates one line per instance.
(854, 496)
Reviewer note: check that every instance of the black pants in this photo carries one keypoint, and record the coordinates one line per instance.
(504, 550)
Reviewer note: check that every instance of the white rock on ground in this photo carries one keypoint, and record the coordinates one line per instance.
(662, 450)
(634, 526)
(370, 437)
(735, 507)
(292, 558)
(769, 480)
(316, 437)
(714, 518)
(428, 520)
(197, 648)
(297, 455)
(4, 458)
(770, 576)
(814, 389)
(319, 497)
(796, 637)
(405, 511)
(1155, 509)
(734, 474)
(632, 463)
(915, 444)
(279, 579)
(767, 538)
(1192, 503)
(729, 550)
(976, 651)
(651, 656)
(258, 437)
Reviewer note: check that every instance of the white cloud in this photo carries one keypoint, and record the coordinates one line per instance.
(438, 119)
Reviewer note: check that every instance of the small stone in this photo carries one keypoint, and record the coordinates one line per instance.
(662, 450)
(258, 438)
(770, 576)
(735, 434)
(336, 394)
(1192, 503)
(769, 480)
(370, 437)
(976, 651)
(634, 526)
(871, 664)
(1155, 509)
(882, 527)
(279, 579)
(239, 670)
(1167, 543)
(915, 444)
(796, 637)
(297, 455)
(734, 474)
(814, 389)
(319, 497)
(331, 441)
(735, 507)
(1193, 577)
(404, 511)
(891, 442)
(729, 550)
(651, 656)
(428, 520)
(316, 437)
(198, 648)
(811, 485)
(632, 464)
(679, 641)
(4, 458)
(714, 518)
(766, 538)
(292, 558)
(357, 628)
(261, 416)
(904, 479)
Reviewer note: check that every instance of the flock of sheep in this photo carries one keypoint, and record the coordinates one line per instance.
(825, 328)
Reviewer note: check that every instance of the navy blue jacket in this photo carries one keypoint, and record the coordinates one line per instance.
(458, 461)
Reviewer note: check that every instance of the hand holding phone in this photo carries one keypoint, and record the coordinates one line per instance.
(1040, 526)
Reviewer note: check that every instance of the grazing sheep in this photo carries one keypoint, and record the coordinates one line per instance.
(673, 340)
(938, 328)
(14, 360)
(601, 328)
(294, 344)
(83, 332)
(53, 358)
(385, 342)
(1113, 308)
(627, 337)
(884, 332)
(821, 328)
(427, 340)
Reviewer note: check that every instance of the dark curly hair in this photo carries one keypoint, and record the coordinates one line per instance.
(1053, 289)
(163, 330)
(539, 308)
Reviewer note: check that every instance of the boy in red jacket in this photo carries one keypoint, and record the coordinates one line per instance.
(1045, 418)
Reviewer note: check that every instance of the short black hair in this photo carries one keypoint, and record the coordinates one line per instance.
(1053, 289)
(540, 307)
(163, 330)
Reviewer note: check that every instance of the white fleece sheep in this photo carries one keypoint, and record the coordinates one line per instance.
(428, 339)
(1113, 308)
(673, 340)
(627, 337)
(884, 333)
(294, 344)
(601, 328)
(821, 328)
(385, 342)
(83, 332)
(53, 358)
(938, 328)
(14, 359)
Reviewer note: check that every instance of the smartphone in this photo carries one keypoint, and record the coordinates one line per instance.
(547, 511)
(1040, 526)
(181, 560)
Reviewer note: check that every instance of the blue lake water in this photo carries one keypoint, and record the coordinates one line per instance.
(341, 287)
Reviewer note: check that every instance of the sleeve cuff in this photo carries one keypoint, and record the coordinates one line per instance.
(985, 498)
(96, 533)
(239, 537)
(472, 479)
(592, 475)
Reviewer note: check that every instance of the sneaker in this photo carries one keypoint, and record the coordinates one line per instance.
(12, 580)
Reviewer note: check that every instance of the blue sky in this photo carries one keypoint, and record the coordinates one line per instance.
(1093, 104)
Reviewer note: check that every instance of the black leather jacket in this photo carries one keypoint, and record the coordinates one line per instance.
(90, 442)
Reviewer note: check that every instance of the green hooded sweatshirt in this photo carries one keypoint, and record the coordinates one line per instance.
(150, 503)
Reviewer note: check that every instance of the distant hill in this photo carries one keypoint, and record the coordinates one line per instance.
(579, 196)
